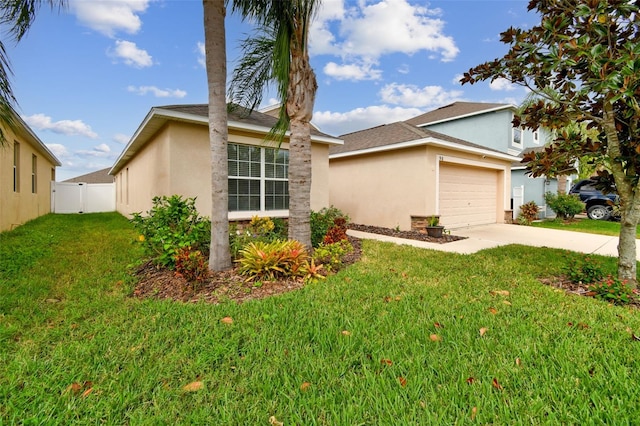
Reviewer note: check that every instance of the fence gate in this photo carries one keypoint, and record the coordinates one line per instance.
(71, 197)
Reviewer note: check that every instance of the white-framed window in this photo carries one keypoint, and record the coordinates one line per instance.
(34, 174)
(258, 178)
(16, 166)
(516, 138)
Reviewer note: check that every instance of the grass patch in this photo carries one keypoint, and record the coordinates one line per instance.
(603, 227)
(356, 348)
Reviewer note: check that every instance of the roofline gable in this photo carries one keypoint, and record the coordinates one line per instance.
(159, 116)
(470, 114)
(35, 140)
(424, 142)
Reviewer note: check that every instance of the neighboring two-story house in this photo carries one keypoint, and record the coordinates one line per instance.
(489, 125)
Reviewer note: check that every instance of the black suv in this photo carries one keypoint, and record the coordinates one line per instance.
(599, 206)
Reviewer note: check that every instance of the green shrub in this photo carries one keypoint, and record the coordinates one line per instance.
(191, 264)
(584, 270)
(528, 213)
(273, 260)
(172, 224)
(322, 221)
(612, 290)
(565, 206)
(331, 254)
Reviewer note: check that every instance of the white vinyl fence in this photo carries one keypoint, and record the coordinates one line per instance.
(68, 197)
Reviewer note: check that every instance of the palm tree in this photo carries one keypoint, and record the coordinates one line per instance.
(216, 64)
(280, 55)
(17, 16)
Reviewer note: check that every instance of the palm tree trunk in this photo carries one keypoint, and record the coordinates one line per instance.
(300, 99)
(216, 60)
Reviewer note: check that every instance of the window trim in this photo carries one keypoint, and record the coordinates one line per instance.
(513, 136)
(262, 179)
(34, 174)
(16, 166)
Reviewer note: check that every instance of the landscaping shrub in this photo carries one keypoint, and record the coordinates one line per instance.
(172, 224)
(191, 264)
(337, 232)
(330, 255)
(273, 260)
(565, 206)
(584, 270)
(322, 221)
(262, 229)
(528, 213)
(612, 290)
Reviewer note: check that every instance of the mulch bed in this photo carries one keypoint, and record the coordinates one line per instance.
(161, 283)
(409, 235)
(579, 289)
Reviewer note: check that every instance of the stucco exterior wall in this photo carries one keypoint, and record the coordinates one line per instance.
(145, 176)
(383, 189)
(178, 161)
(19, 207)
(387, 188)
(492, 130)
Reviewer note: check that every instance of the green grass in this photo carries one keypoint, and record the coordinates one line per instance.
(603, 227)
(66, 317)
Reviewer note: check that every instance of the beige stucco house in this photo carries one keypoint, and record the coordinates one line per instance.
(396, 175)
(169, 154)
(27, 168)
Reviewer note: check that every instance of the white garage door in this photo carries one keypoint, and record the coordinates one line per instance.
(468, 195)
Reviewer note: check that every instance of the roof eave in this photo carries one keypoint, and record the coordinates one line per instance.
(471, 114)
(157, 117)
(427, 141)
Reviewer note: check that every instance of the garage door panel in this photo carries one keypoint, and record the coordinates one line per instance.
(468, 195)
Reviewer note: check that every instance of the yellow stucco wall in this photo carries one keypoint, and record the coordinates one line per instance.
(19, 207)
(177, 160)
(387, 188)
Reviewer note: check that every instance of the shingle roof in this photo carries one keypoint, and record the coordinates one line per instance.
(99, 176)
(391, 134)
(238, 114)
(456, 109)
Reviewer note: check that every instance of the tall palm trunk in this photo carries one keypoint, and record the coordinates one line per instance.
(216, 63)
(301, 94)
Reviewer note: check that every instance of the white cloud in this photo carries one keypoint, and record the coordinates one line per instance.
(339, 123)
(158, 93)
(409, 95)
(64, 127)
(403, 69)
(131, 54)
(202, 56)
(375, 29)
(110, 17)
(102, 150)
(121, 138)
(352, 72)
(59, 150)
(502, 84)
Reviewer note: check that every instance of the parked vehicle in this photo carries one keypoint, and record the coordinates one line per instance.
(599, 206)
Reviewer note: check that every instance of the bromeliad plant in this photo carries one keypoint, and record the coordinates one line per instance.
(275, 260)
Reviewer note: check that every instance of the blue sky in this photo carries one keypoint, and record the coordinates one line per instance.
(86, 77)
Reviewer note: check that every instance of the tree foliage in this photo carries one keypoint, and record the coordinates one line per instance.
(586, 52)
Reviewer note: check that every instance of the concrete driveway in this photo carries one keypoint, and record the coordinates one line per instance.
(494, 235)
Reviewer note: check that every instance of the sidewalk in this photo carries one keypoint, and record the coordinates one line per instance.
(494, 235)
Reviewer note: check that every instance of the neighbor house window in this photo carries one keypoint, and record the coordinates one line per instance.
(258, 178)
(16, 167)
(34, 174)
(536, 136)
(517, 136)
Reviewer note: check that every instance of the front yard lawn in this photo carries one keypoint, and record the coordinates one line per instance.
(603, 227)
(405, 336)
